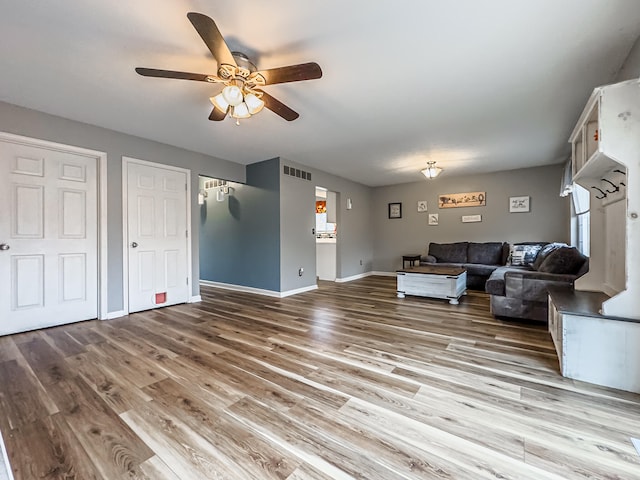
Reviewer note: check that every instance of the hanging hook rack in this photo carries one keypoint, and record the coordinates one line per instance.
(616, 187)
(604, 194)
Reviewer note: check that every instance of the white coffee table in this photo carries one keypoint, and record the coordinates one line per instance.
(434, 281)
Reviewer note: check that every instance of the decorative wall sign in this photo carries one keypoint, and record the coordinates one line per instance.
(433, 219)
(422, 206)
(395, 210)
(471, 218)
(469, 199)
(519, 204)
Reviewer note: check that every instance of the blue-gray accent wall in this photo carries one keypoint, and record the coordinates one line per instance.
(240, 237)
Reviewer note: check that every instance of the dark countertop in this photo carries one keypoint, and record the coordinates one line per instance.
(576, 302)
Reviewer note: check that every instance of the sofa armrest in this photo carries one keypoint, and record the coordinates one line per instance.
(533, 285)
(428, 259)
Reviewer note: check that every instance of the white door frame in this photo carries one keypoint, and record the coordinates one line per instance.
(101, 164)
(125, 224)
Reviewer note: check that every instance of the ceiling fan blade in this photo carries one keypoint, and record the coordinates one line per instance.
(216, 115)
(292, 73)
(212, 37)
(152, 72)
(279, 108)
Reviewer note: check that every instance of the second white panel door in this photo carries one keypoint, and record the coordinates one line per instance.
(157, 236)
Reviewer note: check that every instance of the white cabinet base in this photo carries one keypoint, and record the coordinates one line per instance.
(592, 347)
(449, 287)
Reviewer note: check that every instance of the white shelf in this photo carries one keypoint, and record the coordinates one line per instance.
(606, 145)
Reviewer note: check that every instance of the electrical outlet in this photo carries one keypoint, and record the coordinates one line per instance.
(300, 271)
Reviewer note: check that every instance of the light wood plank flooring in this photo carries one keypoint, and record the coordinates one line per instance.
(344, 382)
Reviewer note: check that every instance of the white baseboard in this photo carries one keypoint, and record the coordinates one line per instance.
(353, 277)
(195, 299)
(258, 291)
(116, 314)
(240, 288)
(288, 293)
(365, 274)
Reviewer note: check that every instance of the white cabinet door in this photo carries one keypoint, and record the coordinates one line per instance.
(157, 236)
(48, 237)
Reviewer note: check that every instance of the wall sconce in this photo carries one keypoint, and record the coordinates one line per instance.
(202, 195)
(349, 204)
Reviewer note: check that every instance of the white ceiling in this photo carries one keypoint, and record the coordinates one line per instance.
(477, 86)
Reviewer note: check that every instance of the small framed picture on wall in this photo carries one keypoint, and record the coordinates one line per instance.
(395, 210)
(518, 204)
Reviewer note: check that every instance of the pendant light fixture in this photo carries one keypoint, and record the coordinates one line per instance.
(431, 171)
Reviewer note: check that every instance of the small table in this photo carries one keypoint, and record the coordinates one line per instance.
(412, 259)
(434, 281)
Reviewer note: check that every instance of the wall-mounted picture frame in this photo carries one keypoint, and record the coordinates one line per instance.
(422, 206)
(433, 219)
(395, 210)
(519, 204)
(471, 218)
(457, 200)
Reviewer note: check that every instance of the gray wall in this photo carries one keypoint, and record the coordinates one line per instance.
(240, 237)
(631, 66)
(355, 230)
(297, 241)
(31, 123)
(548, 219)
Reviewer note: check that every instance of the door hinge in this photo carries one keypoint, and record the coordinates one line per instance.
(186, 232)
(187, 280)
(185, 187)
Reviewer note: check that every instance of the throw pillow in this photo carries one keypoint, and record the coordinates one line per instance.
(545, 252)
(524, 254)
(564, 260)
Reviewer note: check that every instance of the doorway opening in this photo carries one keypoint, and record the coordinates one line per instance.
(326, 234)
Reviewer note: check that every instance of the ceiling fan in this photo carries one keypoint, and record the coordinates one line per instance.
(241, 83)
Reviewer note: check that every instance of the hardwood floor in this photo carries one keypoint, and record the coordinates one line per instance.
(344, 382)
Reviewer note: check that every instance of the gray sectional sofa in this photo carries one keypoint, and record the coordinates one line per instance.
(516, 278)
(521, 291)
(480, 259)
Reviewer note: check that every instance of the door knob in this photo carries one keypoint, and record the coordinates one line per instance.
(134, 244)
(4, 246)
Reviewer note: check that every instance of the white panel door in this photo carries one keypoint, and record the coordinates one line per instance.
(157, 237)
(48, 237)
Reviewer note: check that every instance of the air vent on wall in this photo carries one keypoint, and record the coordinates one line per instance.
(296, 172)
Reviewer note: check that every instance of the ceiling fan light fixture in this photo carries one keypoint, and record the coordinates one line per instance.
(240, 111)
(431, 171)
(219, 102)
(233, 95)
(254, 104)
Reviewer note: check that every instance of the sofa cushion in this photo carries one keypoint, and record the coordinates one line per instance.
(564, 260)
(479, 269)
(496, 283)
(525, 253)
(545, 252)
(489, 253)
(449, 252)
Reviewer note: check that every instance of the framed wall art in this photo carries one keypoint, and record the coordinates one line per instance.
(519, 204)
(456, 200)
(395, 210)
(422, 206)
(471, 218)
(433, 219)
